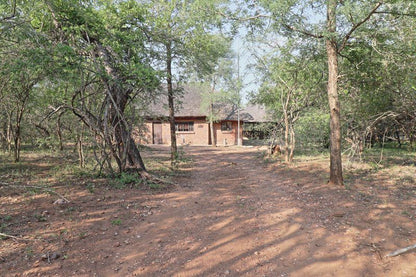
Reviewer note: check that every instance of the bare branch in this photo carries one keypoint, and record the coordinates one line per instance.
(356, 26)
(303, 32)
(401, 251)
(396, 13)
(13, 237)
(2, 184)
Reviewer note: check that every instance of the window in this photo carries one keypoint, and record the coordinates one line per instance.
(184, 127)
(226, 126)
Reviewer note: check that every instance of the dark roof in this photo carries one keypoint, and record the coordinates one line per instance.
(189, 103)
(257, 113)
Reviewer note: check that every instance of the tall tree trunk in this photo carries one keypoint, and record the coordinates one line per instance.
(118, 96)
(127, 150)
(334, 105)
(173, 146)
(211, 116)
(211, 126)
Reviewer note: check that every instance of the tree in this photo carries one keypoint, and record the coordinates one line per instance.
(334, 23)
(185, 38)
(291, 82)
(25, 61)
(377, 84)
(216, 89)
(103, 44)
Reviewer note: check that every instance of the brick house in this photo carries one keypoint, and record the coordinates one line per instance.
(192, 125)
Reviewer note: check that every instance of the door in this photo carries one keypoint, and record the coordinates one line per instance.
(157, 133)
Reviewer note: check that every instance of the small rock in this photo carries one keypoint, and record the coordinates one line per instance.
(44, 213)
(118, 244)
(60, 202)
(55, 255)
(51, 256)
(338, 214)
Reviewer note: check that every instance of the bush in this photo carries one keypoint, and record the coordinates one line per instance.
(312, 130)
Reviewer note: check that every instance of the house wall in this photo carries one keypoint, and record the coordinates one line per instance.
(143, 134)
(199, 136)
(227, 137)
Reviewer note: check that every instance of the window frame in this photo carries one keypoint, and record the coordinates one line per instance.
(184, 127)
(228, 126)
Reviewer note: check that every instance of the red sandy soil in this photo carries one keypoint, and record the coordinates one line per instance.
(230, 213)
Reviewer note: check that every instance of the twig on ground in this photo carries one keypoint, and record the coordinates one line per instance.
(13, 237)
(35, 187)
(401, 251)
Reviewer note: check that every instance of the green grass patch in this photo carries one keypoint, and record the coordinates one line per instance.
(116, 222)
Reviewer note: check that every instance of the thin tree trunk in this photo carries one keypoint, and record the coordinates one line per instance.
(211, 120)
(17, 145)
(292, 143)
(9, 136)
(286, 148)
(80, 150)
(211, 126)
(59, 132)
(334, 105)
(173, 146)
(18, 130)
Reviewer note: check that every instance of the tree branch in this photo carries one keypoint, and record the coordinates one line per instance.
(13, 13)
(13, 237)
(35, 187)
(306, 33)
(396, 13)
(356, 26)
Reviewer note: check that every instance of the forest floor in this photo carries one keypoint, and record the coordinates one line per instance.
(230, 212)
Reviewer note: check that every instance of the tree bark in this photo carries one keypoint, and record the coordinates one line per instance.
(9, 133)
(80, 150)
(117, 97)
(171, 99)
(334, 105)
(18, 128)
(59, 131)
(211, 126)
(286, 147)
(292, 143)
(211, 116)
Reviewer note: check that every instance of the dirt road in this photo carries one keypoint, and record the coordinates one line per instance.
(230, 214)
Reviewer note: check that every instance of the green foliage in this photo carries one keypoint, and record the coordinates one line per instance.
(155, 186)
(83, 235)
(116, 222)
(124, 179)
(312, 129)
(39, 217)
(90, 187)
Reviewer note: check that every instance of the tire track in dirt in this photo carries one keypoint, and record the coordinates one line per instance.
(238, 216)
